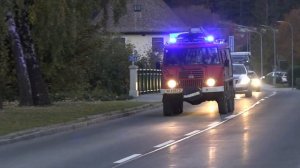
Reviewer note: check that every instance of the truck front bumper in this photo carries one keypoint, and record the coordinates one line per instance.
(198, 95)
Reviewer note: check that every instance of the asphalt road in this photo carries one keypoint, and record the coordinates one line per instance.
(262, 132)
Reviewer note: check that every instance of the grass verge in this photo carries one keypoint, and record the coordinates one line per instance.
(14, 118)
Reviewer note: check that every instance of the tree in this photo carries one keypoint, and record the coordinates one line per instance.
(23, 77)
(38, 86)
(72, 46)
(284, 49)
(197, 16)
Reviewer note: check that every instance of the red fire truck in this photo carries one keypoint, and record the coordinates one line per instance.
(196, 68)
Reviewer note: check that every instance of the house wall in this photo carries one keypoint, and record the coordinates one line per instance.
(143, 43)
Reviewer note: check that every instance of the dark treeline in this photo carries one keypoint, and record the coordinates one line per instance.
(252, 13)
(245, 12)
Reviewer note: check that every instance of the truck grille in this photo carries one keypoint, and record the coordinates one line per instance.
(196, 74)
(190, 83)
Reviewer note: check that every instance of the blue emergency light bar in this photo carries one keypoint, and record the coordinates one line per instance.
(173, 37)
(209, 38)
(190, 37)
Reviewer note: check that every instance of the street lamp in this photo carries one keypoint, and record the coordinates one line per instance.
(253, 30)
(261, 52)
(292, 31)
(274, 44)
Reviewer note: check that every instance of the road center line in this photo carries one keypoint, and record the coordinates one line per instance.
(164, 144)
(191, 133)
(127, 158)
(230, 117)
(213, 124)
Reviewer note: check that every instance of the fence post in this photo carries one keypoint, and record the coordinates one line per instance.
(133, 81)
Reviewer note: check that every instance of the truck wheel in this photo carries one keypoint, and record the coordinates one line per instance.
(223, 105)
(180, 107)
(248, 93)
(230, 105)
(172, 105)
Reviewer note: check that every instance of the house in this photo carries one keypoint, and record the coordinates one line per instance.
(146, 25)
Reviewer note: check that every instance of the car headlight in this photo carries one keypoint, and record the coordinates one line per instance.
(245, 80)
(255, 82)
(172, 83)
(210, 82)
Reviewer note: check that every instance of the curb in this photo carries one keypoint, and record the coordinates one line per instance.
(79, 123)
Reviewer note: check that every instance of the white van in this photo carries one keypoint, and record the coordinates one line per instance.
(241, 58)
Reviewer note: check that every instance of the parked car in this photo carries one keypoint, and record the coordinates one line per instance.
(280, 76)
(242, 82)
(255, 81)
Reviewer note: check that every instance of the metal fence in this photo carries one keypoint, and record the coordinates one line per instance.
(149, 80)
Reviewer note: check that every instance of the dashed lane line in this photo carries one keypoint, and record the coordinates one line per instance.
(164, 144)
(127, 158)
(191, 133)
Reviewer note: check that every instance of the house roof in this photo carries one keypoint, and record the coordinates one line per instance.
(147, 16)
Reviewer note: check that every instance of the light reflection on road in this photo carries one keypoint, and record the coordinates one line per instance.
(212, 149)
(172, 157)
(245, 142)
(212, 107)
(212, 156)
(256, 94)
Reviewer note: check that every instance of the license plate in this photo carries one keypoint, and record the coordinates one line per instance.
(171, 91)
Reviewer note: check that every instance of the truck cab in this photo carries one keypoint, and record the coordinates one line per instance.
(196, 68)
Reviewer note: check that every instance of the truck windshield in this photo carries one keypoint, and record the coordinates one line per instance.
(186, 56)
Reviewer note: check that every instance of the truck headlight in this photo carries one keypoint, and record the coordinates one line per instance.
(172, 83)
(210, 82)
(245, 80)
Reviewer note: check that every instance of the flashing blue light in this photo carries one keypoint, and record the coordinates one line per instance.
(172, 40)
(173, 37)
(209, 38)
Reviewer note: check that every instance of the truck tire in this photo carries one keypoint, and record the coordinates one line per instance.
(231, 100)
(230, 105)
(223, 104)
(172, 104)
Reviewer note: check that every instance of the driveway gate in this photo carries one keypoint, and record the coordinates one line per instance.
(149, 80)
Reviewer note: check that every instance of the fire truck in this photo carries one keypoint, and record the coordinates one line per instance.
(196, 68)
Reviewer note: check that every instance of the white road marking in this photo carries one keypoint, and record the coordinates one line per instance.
(230, 117)
(214, 124)
(164, 144)
(191, 133)
(127, 158)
